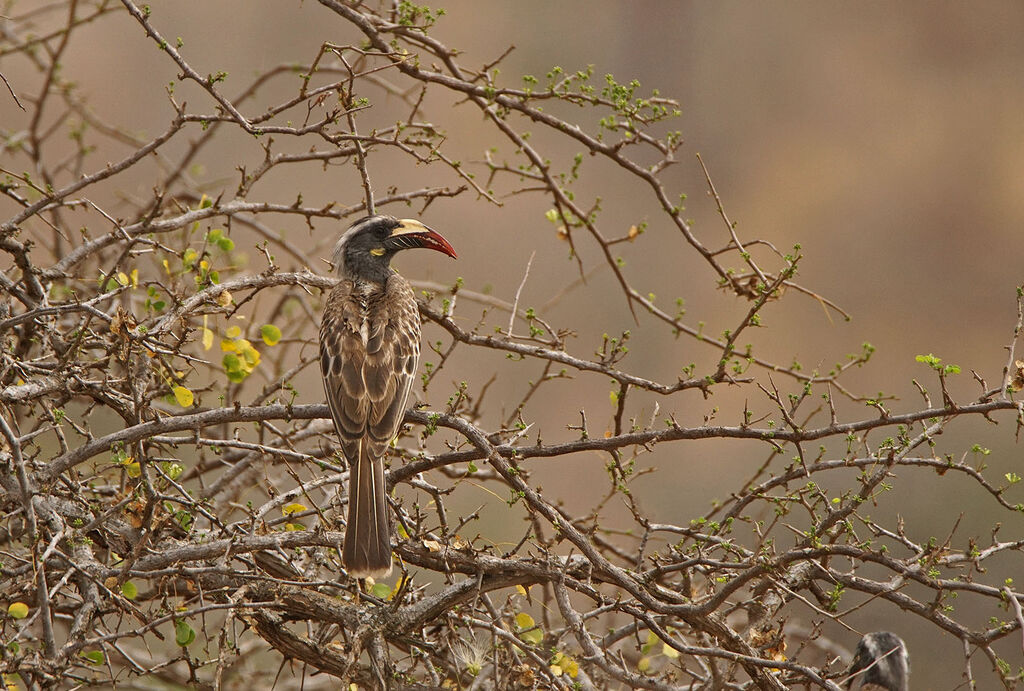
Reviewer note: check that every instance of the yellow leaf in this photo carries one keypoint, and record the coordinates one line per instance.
(250, 355)
(227, 346)
(233, 332)
(563, 664)
(207, 338)
(521, 590)
(289, 509)
(17, 610)
(184, 397)
(524, 621)
(135, 278)
(669, 651)
(394, 590)
(644, 664)
(122, 278)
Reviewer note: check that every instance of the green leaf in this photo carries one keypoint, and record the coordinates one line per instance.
(271, 334)
(652, 638)
(184, 519)
(184, 634)
(129, 590)
(173, 470)
(529, 631)
(536, 636)
(381, 590)
(96, 657)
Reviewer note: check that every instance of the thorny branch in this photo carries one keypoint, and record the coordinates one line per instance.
(171, 491)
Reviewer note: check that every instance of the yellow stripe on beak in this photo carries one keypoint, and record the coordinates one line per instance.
(409, 225)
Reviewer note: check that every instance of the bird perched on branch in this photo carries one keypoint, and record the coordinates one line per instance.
(369, 351)
(880, 663)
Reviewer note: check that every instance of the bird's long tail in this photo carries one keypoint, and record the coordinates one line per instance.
(367, 551)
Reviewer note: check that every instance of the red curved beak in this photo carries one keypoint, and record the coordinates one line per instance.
(412, 233)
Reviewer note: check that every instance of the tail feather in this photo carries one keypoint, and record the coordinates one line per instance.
(367, 549)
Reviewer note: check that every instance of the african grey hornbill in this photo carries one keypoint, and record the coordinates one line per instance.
(880, 663)
(369, 351)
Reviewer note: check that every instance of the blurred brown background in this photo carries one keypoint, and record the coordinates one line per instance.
(887, 139)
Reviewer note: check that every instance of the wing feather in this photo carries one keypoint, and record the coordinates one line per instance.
(368, 384)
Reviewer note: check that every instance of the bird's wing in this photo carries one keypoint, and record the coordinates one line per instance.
(341, 362)
(393, 354)
(368, 358)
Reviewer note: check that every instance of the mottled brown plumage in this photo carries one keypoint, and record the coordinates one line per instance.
(369, 351)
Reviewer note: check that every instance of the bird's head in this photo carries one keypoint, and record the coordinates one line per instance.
(366, 248)
(880, 663)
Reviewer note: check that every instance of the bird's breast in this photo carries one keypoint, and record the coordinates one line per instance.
(364, 295)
